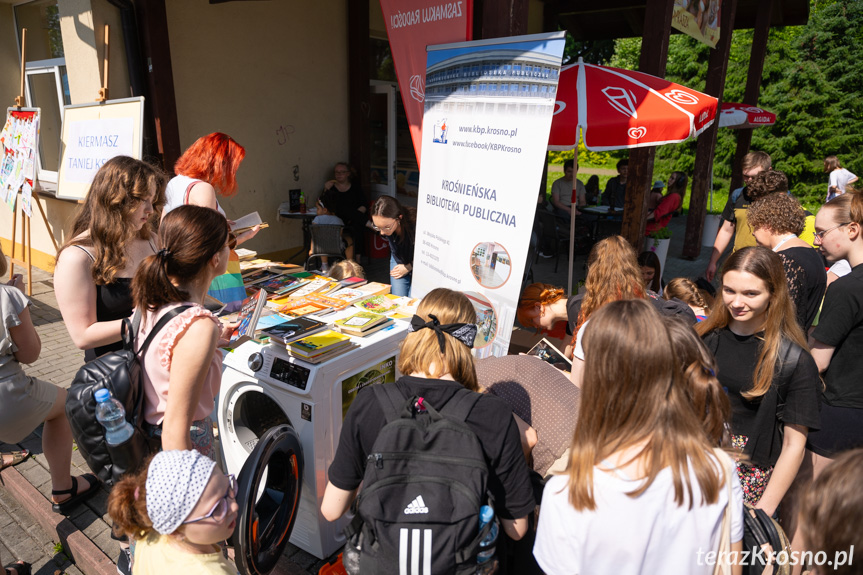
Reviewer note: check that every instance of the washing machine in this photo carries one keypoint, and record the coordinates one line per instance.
(262, 389)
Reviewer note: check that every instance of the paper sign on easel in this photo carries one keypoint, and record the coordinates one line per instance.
(18, 141)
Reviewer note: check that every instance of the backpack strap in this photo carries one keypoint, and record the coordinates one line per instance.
(461, 404)
(159, 325)
(391, 400)
(789, 355)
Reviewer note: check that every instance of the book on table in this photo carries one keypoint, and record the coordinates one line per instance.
(326, 356)
(348, 295)
(294, 329)
(374, 288)
(248, 317)
(363, 323)
(315, 285)
(302, 307)
(319, 343)
(353, 281)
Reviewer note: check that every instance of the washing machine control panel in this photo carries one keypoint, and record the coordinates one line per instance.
(290, 373)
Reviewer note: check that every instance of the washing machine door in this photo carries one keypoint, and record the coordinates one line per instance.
(268, 494)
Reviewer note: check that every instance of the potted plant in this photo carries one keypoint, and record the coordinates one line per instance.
(658, 242)
(712, 221)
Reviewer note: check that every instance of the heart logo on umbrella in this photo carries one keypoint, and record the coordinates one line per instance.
(637, 133)
(681, 97)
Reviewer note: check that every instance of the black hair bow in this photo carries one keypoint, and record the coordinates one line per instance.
(464, 332)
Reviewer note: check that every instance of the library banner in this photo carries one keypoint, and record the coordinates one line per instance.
(411, 26)
(488, 109)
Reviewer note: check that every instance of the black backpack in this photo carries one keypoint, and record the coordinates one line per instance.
(120, 373)
(425, 480)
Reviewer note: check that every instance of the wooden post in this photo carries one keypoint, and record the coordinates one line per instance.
(359, 93)
(19, 99)
(753, 86)
(501, 18)
(716, 69)
(153, 25)
(103, 91)
(654, 56)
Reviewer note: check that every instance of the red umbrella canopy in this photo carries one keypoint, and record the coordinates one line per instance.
(618, 109)
(744, 116)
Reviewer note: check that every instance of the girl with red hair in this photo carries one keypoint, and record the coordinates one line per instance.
(209, 167)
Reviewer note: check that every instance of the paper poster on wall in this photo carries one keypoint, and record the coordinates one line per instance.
(698, 18)
(91, 135)
(19, 139)
(488, 111)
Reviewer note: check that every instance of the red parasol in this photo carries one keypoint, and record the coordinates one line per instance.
(744, 116)
(617, 109)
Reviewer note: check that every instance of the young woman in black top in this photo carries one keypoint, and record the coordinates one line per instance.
(837, 341)
(436, 364)
(751, 332)
(397, 224)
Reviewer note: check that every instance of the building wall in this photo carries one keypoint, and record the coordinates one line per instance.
(272, 75)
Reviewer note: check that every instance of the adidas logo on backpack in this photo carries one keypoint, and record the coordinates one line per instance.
(416, 506)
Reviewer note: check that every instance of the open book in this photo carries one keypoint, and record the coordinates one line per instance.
(247, 222)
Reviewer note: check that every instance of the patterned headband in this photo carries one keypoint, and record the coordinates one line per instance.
(464, 332)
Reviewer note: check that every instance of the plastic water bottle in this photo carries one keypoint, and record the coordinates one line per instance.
(484, 561)
(302, 203)
(112, 416)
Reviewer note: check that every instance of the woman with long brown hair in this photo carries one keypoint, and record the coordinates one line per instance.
(183, 361)
(651, 460)
(112, 233)
(764, 362)
(613, 274)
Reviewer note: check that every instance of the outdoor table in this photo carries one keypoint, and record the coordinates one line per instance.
(306, 219)
(600, 214)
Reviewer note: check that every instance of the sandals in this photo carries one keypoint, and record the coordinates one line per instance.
(21, 568)
(66, 506)
(17, 457)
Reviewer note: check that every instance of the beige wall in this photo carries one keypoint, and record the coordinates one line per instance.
(84, 49)
(273, 75)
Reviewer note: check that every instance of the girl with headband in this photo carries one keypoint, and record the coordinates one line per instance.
(437, 359)
(178, 509)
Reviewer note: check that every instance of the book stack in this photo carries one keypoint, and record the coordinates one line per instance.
(352, 282)
(246, 254)
(293, 329)
(363, 323)
(321, 346)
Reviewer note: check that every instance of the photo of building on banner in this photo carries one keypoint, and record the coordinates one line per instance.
(488, 109)
(699, 19)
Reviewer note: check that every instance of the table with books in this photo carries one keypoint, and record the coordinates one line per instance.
(314, 317)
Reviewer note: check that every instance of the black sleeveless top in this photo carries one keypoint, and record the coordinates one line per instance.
(113, 301)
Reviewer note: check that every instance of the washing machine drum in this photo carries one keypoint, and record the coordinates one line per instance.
(268, 494)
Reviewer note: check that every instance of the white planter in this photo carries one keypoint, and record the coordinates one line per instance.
(711, 227)
(660, 248)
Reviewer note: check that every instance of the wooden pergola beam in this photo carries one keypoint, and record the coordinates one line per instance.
(753, 86)
(716, 69)
(654, 56)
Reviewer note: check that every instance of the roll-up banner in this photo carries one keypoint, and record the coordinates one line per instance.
(411, 26)
(488, 109)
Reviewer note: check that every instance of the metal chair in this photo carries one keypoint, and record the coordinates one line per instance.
(326, 242)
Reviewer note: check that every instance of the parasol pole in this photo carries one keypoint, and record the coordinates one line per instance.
(572, 200)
